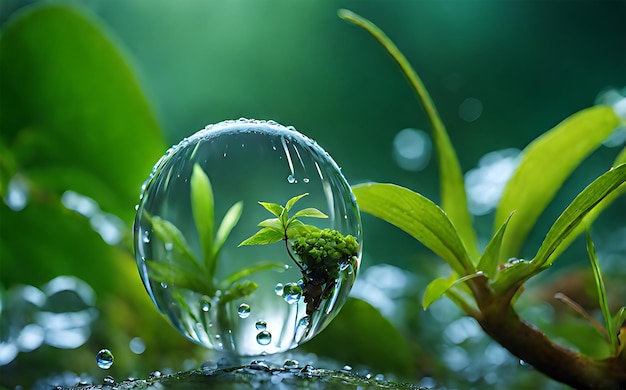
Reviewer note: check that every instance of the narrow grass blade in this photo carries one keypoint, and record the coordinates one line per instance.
(226, 226)
(438, 287)
(202, 209)
(453, 196)
(417, 216)
(602, 300)
(538, 178)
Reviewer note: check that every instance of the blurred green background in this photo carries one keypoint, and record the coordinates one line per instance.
(91, 97)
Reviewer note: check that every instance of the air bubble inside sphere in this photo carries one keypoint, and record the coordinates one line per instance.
(231, 213)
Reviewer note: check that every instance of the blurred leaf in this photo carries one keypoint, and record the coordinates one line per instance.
(417, 216)
(576, 211)
(356, 332)
(538, 177)
(454, 199)
(69, 102)
(602, 300)
(203, 213)
(619, 318)
(583, 313)
(231, 218)
(490, 258)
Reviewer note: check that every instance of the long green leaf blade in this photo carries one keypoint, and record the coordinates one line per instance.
(576, 211)
(203, 213)
(490, 258)
(603, 301)
(453, 195)
(226, 226)
(262, 237)
(273, 208)
(309, 212)
(538, 178)
(417, 216)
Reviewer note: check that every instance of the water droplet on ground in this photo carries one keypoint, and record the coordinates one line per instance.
(243, 311)
(104, 359)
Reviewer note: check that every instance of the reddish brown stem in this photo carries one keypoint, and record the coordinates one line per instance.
(498, 319)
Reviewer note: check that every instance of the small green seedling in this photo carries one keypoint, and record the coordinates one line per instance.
(188, 271)
(321, 252)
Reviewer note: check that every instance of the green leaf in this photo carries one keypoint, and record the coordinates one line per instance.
(238, 290)
(273, 208)
(538, 178)
(361, 327)
(69, 101)
(226, 226)
(175, 275)
(454, 199)
(417, 216)
(262, 237)
(595, 212)
(202, 207)
(272, 223)
(438, 287)
(576, 211)
(512, 277)
(293, 201)
(297, 229)
(168, 233)
(603, 301)
(244, 272)
(490, 258)
(309, 212)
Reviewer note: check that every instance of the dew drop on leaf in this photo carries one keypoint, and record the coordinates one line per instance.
(201, 201)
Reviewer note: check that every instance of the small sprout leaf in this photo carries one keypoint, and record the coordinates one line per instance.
(293, 201)
(272, 223)
(273, 208)
(264, 236)
(310, 212)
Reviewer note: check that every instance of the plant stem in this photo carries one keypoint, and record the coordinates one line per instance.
(499, 319)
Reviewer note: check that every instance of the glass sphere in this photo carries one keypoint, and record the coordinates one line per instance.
(248, 237)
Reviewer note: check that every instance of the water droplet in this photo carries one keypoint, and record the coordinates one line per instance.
(205, 303)
(304, 321)
(261, 325)
(379, 377)
(306, 180)
(347, 368)
(292, 293)
(104, 359)
(155, 374)
(109, 381)
(264, 338)
(146, 237)
(470, 109)
(243, 311)
(291, 363)
(271, 152)
(526, 365)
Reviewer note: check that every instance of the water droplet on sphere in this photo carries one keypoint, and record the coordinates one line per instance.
(261, 325)
(243, 311)
(193, 266)
(104, 359)
(264, 338)
(292, 293)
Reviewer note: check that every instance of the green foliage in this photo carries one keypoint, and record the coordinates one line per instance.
(186, 270)
(372, 339)
(283, 227)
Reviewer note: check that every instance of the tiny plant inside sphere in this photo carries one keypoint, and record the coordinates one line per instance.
(216, 284)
